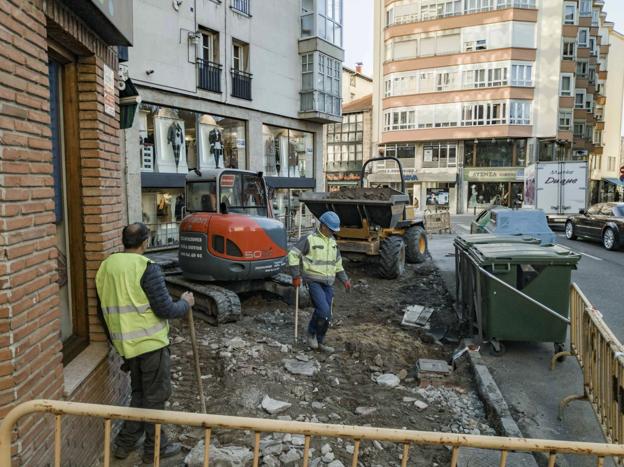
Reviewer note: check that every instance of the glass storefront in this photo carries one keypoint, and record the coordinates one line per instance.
(483, 194)
(495, 153)
(176, 140)
(285, 203)
(162, 212)
(288, 153)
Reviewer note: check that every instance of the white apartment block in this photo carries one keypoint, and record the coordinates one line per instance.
(469, 92)
(244, 84)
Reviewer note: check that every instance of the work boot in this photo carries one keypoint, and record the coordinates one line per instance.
(312, 342)
(122, 452)
(326, 348)
(170, 450)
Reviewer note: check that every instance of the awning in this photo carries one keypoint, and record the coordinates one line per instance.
(129, 101)
(614, 181)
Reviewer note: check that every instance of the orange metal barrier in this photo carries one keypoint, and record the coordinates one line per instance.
(209, 423)
(599, 354)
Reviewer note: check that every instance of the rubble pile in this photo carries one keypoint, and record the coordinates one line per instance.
(253, 368)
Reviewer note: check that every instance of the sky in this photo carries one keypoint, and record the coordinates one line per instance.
(358, 26)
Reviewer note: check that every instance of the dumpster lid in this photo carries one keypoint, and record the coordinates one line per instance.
(497, 253)
(525, 221)
(468, 240)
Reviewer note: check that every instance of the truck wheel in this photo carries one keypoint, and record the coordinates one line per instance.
(392, 257)
(416, 244)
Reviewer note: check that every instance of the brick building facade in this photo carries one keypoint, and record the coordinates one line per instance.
(60, 215)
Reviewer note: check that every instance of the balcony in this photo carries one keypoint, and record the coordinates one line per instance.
(209, 76)
(241, 84)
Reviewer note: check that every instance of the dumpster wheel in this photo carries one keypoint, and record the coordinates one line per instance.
(497, 348)
(392, 257)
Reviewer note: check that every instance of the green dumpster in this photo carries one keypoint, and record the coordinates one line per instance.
(542, 273)
(465, 278)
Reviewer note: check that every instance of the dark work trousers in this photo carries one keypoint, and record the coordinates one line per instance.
(150, 381)
(322, 296)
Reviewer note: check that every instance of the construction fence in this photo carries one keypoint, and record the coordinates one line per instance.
(359, 434)
(601, 357)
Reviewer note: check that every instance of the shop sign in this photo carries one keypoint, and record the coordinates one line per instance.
(494, 175)
(109, 91)
(428, 155)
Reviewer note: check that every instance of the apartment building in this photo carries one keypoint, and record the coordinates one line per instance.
(470, 92)
(349, 143)
(241, 84)
(605, 183)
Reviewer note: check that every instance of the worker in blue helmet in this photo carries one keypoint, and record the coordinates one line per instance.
(315, 260)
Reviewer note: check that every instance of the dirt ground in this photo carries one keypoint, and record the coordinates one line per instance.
(363, 193)
(242, 362)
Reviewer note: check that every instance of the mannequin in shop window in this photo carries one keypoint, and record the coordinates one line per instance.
(179, 207)
(216, 145)
(175, 137)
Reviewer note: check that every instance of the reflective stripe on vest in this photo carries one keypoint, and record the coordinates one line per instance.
(133, 327)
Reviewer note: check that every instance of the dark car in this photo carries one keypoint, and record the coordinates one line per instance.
(603, 222)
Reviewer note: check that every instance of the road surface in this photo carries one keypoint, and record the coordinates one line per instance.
(532, 391)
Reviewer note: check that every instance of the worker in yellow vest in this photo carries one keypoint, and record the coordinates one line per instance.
(136, 305)
(316, 258)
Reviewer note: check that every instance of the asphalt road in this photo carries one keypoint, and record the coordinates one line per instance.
(600, 276)
(532, 391)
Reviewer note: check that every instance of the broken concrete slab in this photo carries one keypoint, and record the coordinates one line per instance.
(297, 367)
(388, 379)
(365, 410)
(416, 316)
(432, 369)
(273, 406)
(226, 456)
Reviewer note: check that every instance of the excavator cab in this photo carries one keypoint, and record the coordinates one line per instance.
(229, 233)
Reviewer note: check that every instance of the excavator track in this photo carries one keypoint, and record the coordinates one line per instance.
(217, 305)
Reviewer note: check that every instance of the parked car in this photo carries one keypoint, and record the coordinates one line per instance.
(603, 222)
(506, 221)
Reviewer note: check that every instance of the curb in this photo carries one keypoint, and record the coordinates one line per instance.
(496, 407)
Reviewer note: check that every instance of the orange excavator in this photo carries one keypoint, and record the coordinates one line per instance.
(229, 243)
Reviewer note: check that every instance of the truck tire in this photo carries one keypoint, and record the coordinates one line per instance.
(392, 257)
(416, 244)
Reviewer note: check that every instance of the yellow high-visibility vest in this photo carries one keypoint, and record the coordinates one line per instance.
(322, 262)
(133, 326)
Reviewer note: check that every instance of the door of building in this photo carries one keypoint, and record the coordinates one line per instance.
(64, 125)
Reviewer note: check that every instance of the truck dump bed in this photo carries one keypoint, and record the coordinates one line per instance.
(381, 207)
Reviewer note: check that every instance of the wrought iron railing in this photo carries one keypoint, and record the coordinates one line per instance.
(241, 84)
(209, 75)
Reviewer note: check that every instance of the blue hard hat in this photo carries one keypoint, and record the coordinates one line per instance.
(331, 220)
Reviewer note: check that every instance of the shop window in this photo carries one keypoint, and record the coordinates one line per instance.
(493, 193)
(179, 140)
(162, 212)
(288, 153)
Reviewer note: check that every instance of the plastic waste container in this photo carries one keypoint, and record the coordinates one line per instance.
(542, 273)
(531, 222)
(465, 278)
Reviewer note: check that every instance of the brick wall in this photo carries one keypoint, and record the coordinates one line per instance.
(30, 342)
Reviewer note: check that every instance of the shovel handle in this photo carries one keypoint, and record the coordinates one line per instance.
(200, 385)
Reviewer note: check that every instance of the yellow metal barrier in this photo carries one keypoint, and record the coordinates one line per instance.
(599, 354)
(258, 426)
